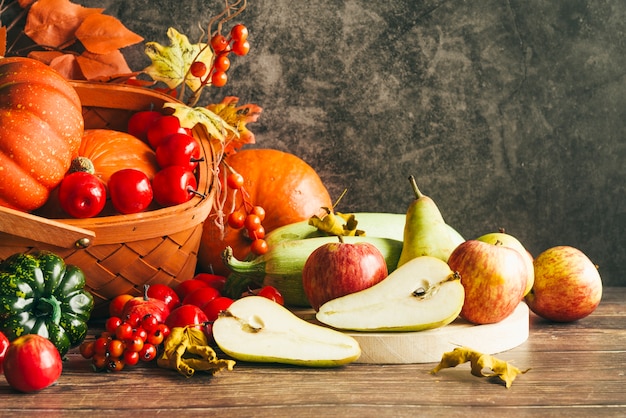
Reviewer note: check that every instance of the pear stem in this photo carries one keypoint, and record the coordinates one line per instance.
(416, 190)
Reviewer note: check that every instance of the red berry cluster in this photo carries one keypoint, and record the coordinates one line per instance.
(125, 342)
(177, 153)
(248, 216)
(222, 46)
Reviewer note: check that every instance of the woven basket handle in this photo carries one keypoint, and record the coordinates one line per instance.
(25, 225)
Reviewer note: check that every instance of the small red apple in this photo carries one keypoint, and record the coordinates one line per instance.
(214, 280)
(4, 345)
(32, 363)
(145, 305)
(187, 286)
(339, 268)
(165, 293)
(186, 315)
(567, 285)
(494, 278)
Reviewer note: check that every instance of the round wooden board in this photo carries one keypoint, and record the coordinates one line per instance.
(428, 346)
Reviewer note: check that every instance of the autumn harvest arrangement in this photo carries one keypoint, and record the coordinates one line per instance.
(127, 203)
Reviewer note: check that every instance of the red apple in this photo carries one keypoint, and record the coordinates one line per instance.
(186, 315)
(145, 305)
(567, 285)
(502, 238)
(214, 280)
(338, 268)
(165, 293)
(494, 278)
(187, 286)
(32, 363)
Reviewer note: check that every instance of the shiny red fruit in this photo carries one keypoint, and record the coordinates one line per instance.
(140, 122)
(187, 286)
(165, 293)
(186, 315)
(32, 363)
(271, 293)
(213, 308)
(4, 345)
(130, 191)
(174, 185)
(82, 195)
(214, 280)
(201, 296)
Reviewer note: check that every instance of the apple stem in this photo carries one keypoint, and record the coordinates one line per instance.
(145, 292)
(416, 190)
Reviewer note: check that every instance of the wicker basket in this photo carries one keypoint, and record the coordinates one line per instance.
(122, 252)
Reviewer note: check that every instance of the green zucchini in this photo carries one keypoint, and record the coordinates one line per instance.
(282, 265)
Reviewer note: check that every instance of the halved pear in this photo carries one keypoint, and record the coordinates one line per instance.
(421, 294)
(257, 329)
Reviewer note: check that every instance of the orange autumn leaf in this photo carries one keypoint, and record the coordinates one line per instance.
(45, 56)
(95, 66)
(103, 34)
(67, 66)
(53, 23)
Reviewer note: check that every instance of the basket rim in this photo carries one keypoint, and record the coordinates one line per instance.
(155, 223)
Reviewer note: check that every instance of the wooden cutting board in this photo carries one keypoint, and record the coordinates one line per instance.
(428, 346)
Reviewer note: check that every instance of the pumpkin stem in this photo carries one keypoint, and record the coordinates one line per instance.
(82, 164)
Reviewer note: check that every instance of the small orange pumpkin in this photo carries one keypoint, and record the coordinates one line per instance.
(110, 151)
(288, 188)
(41, 125)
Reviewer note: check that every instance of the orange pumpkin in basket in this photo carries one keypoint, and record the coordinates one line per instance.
(41, 125)
(288, 188)
(110, 151)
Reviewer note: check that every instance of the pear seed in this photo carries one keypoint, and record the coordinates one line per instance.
(255, 324)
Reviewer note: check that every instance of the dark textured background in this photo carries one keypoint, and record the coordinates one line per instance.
(509, 113)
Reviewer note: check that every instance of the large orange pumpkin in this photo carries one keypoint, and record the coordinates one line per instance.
(41, 125)
(110, 151)
(288, 188)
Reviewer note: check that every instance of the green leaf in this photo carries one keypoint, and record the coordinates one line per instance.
(190, 116)
(170, 64)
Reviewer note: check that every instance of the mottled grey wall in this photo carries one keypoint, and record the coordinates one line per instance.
(509, 113)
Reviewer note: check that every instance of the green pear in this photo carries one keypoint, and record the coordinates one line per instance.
(425, 231)
(257, 329)
(422, 294)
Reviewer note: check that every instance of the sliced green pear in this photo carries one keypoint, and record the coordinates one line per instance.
(256, 329)
(421, 294)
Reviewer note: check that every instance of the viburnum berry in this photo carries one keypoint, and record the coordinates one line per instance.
(234, 181)
(259, 246)
(252, 222)
(222, 62)
(198, 69)
(219, 78)
(239, 33)
(240, 48)
(219, 43)
(236, 219)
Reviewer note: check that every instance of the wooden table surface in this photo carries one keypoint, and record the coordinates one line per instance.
(578, 370)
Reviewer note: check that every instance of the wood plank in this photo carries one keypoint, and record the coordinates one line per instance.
(577, 370)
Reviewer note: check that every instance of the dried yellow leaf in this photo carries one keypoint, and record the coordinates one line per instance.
(336, 223)
(479, 361)
(186, 350)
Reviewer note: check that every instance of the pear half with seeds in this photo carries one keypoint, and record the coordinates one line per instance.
(257, 329)
(423, 293)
